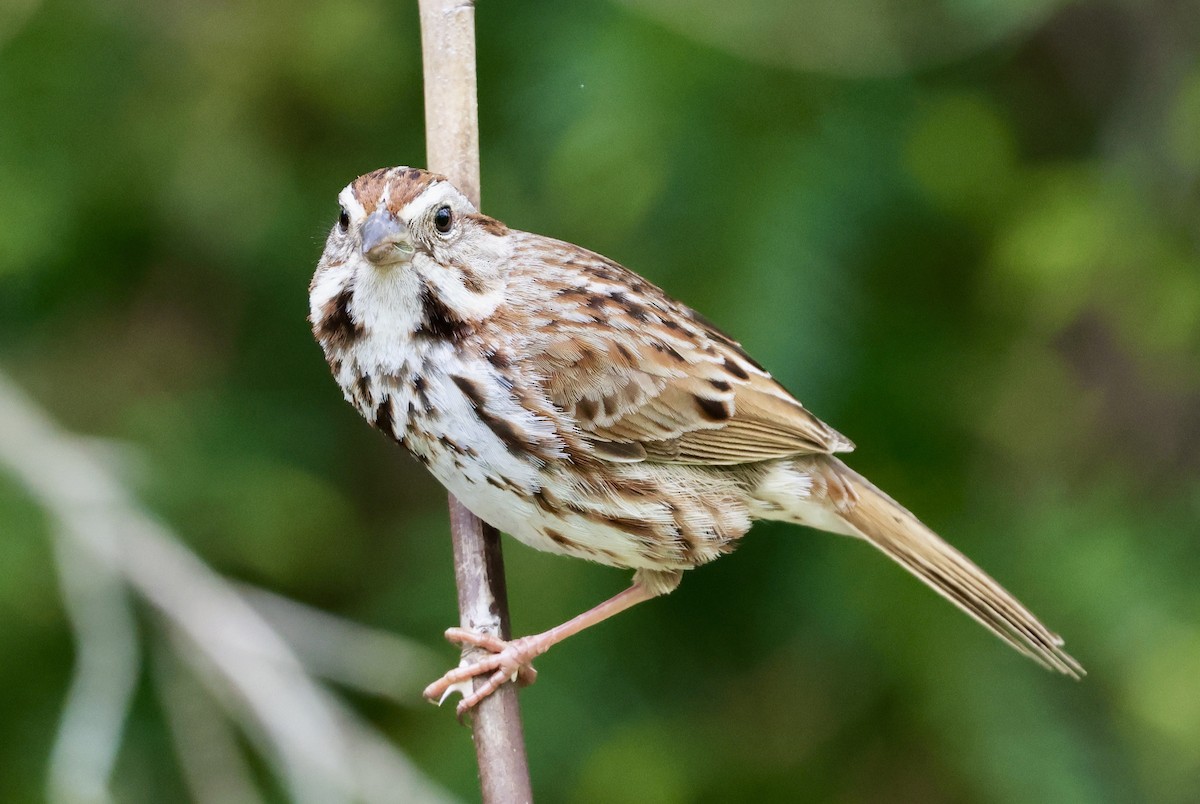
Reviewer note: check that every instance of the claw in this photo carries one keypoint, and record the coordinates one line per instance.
(510, 660)
(507, 661)
(463, 688)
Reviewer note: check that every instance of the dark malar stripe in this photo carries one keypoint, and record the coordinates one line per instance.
(440, 322)
(336, 326)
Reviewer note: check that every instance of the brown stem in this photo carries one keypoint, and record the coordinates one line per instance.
(452, 148)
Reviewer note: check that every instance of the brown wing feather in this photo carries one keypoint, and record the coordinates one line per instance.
(658, 382)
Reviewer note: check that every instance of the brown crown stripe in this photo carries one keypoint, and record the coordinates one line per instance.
(369, 187)
(406, 184)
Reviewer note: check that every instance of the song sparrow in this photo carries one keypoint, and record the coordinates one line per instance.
(574, 405)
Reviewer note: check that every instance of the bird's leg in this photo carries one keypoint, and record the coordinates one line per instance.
(510, 659)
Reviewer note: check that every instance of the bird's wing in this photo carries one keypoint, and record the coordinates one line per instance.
(646, 378)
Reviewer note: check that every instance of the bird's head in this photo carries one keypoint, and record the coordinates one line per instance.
(403, 237)
(392, 215)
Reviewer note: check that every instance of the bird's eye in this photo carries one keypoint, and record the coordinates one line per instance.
(343, 219)
(442, 219)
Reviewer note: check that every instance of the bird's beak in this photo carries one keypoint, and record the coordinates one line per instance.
(385, 238)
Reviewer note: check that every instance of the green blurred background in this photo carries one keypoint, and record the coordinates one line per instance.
(964, 233)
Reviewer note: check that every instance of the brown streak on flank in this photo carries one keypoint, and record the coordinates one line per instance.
(720, 385)
(686, 544)
(503, 429)
(638, 488)
(644, 532)
(557, 538)
(383, 418)
(543, 501)
(452, 445)
(421, 390)
(470, 390)
(634, 527)
(336, 324)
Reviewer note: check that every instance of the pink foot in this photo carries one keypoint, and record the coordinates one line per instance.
(509, 660)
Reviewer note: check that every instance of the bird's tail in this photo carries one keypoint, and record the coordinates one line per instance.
(887, 525)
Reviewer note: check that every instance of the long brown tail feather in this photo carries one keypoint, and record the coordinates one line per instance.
(901, 536)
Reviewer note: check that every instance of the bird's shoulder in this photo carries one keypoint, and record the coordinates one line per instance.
(641, 375)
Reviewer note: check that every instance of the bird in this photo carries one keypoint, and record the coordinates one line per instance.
(574, 405)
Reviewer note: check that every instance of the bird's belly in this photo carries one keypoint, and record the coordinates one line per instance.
(499, 484)
(508, 467)
(519, 515)
(659, 532)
